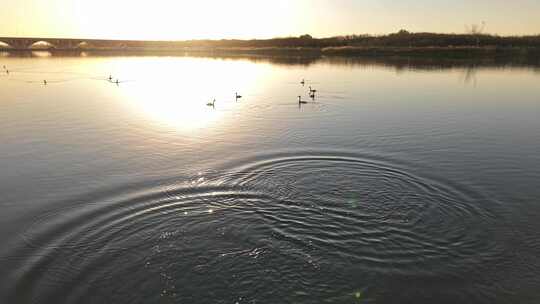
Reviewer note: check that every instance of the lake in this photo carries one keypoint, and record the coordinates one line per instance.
(400, 182)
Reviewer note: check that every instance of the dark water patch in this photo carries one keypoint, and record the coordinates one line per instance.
(397, 61)
(288, 227)
(384, 199)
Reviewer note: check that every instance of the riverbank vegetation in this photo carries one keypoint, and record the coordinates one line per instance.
(402, 38)
(402, 43)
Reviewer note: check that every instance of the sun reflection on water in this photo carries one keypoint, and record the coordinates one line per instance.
(176, 91)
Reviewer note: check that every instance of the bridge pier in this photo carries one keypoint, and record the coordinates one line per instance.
(20, 44)
(26, 43)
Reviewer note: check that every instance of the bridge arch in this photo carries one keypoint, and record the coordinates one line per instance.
(41, 45)
(5, 45)
(83, 45)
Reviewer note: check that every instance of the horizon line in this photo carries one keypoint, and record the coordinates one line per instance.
(273, 38)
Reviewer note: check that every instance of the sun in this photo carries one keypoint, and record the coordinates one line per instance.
(177, 20)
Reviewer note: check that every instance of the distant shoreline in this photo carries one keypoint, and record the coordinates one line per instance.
(402, 42)
(462, 52)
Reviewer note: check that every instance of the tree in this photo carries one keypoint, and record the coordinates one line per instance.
(403, 32)
(306, 37)
(476, 30)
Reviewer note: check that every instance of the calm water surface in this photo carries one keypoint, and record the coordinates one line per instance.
(399, 183)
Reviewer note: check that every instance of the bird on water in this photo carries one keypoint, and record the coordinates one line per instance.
(300, 101)
(237, 96)
(212, 104)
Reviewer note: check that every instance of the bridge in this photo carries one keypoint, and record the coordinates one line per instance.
(16, 43)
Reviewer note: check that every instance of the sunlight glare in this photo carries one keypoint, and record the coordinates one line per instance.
(175, 92)
(171, 20)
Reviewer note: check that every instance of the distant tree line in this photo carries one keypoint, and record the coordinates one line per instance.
(474, 40)
(402, 38)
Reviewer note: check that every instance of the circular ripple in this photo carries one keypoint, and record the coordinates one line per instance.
(276, 228)
(375, 215)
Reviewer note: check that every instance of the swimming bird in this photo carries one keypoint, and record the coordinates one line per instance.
(110, 77)
(44, 82)
(303, 82)
(117, 82)
(300, 101)
(237, 96)
(312, 91)
(212, 104)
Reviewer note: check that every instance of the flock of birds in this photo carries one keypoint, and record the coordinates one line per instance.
(213, 103)
(312, 91)
(110, 79)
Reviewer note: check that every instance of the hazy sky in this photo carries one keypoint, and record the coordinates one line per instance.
(187, 19)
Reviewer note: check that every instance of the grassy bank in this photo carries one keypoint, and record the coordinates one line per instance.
(444, 52)
(401, 44)
(370, 51)
(400, 41)
(532, 53)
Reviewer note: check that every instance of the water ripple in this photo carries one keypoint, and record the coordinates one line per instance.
(277, 227)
